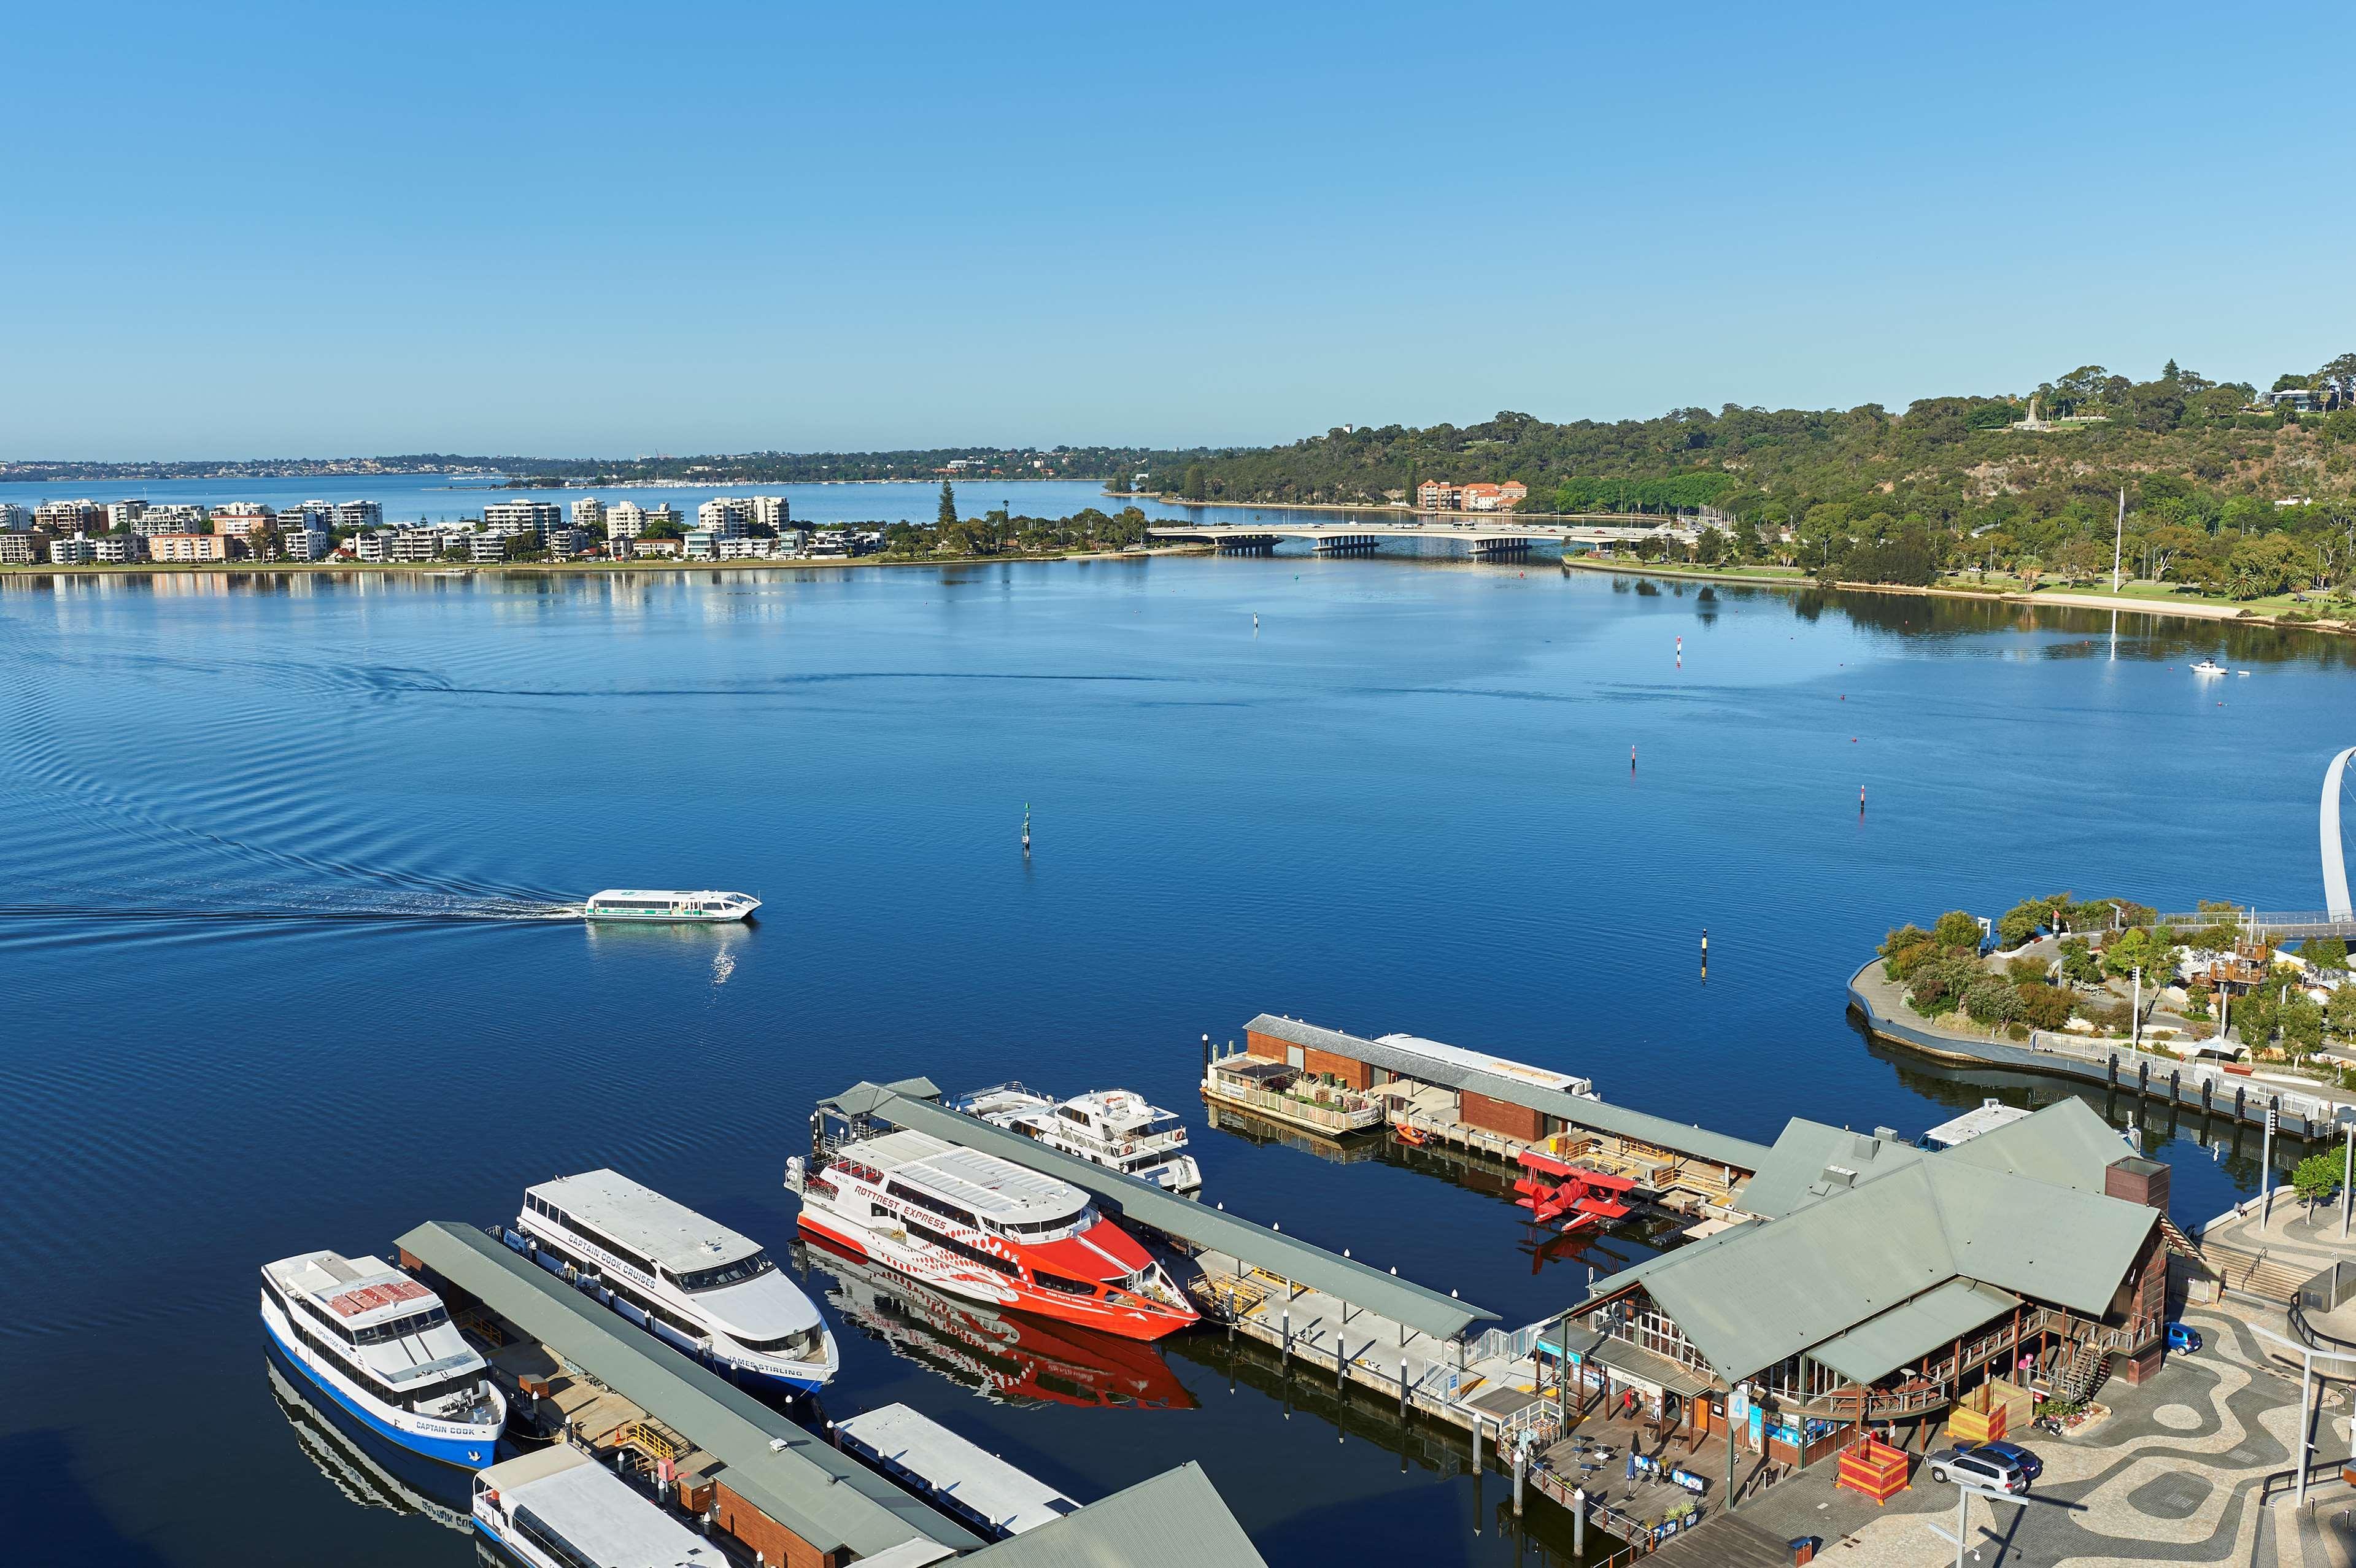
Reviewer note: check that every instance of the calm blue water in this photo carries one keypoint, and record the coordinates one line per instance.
(1404, 802)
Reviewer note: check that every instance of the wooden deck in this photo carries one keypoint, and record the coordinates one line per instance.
(1724, 1540)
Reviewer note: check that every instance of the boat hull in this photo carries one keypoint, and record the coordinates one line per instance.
(1123, 1322)
(688, 919)
(449, 1442)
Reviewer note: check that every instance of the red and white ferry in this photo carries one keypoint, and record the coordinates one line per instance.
(976, 1226)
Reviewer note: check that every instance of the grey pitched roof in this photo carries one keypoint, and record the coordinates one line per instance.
(2067, 1144)
(1718, 1148)
(1176, 1520)
(1752, 1295)
(1793, 1175)
(828, 1498)
(1402, 1301)
(1931, 1321)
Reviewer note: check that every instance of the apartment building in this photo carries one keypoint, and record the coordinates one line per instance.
(124, 514)
(71, 517)
(74, 550)
(238, 516)
(516, 518)
(173, 517)
(182, 548)
(772, 511)
(20, 547)
(305, 542)
(588, 514)
(486, 549)
(1439, 495)
(13, 518)
(564, 543)
(724, 517)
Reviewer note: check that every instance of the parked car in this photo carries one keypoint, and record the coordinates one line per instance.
(2182, 1339)
(2012, 1454)
(1972, 1464)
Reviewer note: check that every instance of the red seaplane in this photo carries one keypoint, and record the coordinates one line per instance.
(1551, 1189)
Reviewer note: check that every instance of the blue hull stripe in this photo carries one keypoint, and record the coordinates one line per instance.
(470, 1454)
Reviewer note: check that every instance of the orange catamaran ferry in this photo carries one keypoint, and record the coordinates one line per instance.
(976, 1226)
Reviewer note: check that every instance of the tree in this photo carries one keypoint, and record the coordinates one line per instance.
(1991, 999)
(2143, 949)
(2079, 559)
(948, 515)
(1117, 484)
(2317, 1176)
(2301, 1023)
(2019, 923)
(2079, 964)
(1957, 929)
(2341, 1011)
(2324, 953)
(2044, 1006)
(1197, 486)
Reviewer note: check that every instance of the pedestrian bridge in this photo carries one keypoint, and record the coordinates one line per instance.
(1483, 536)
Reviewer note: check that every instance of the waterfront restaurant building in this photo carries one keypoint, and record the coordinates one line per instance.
(1880, 1282)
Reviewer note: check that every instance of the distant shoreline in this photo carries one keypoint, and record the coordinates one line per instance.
(2059, 601)
(579, 568)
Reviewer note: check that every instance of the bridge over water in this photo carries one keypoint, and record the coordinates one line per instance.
(1483, 536)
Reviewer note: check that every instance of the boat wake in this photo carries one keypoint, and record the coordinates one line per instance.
(482, 911)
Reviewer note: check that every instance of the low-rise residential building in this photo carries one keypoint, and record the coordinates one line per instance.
(118, 548)
(22, 547)
(305, 542)
(522, 517)
(1439, 495)
(238, 517)
(357, 514)
(701, 544)
(73, 550)
(185, 548)
(751, 547)
(646, 548)
(486, 549)
(414, 546)
(171, 517)
(565, 542)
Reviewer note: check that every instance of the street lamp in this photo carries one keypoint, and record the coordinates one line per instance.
(1967, 1491)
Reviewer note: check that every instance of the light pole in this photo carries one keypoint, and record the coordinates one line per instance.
(2340, 1367)
(1966, 1491)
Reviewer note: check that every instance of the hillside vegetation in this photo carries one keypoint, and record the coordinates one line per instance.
(1869, 495)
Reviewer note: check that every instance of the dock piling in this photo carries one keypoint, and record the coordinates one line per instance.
(1476, 1447)
(1402, 1388)
(1578, 1521)
(1521, 1462)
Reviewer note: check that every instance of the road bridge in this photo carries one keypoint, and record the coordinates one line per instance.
(1483, 537)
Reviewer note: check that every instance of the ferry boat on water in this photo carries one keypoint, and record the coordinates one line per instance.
(698, 1284)
(383, 1348)
(976, 1226)
(561, 1509)
(652, 904)
(1110, 1127)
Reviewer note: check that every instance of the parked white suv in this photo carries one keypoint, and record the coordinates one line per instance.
(1969, 1464)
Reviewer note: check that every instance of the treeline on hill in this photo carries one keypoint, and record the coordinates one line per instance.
(1102, 463)
(2221, 497)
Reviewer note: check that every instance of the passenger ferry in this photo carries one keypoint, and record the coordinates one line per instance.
(1110, 1127)
(561, 1509)
(976, 1226)
(707, 907)
(707, 1290)
(383, 1347)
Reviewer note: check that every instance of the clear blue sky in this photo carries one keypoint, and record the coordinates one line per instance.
(270, 229)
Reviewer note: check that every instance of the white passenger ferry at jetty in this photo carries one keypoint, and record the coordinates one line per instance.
(711, 1293)
(977, 1226)
(658, 905)
(383, 1347)
(559, 1507)
(1110, 1127)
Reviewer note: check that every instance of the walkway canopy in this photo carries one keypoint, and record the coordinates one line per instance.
(915, 1103)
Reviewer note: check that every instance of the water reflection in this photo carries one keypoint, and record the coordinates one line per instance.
(363, 1468)
(1007, 1358)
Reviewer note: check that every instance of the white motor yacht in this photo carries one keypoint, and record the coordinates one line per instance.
(1110, 1127)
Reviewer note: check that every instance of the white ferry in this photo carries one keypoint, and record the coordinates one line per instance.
(1110, 1127)
(561, 1509)
(711, 1293)
(707, 907)
(976, 1226)
(383, 1347)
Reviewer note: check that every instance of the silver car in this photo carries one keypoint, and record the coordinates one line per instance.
(1986, 1469)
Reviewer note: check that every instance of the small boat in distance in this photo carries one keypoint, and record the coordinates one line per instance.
(1110, 1127)
(2209, 667)
(664, 905)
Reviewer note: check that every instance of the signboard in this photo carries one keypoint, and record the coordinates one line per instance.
(1738, 1403)
(1759, 1428)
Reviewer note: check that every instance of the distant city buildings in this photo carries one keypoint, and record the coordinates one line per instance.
(1438, 495)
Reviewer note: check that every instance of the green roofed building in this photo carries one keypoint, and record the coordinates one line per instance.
(1882, 1281)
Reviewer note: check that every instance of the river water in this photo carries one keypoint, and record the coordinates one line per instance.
(1402, 800)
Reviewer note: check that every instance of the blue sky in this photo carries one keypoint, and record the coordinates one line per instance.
(266, 230)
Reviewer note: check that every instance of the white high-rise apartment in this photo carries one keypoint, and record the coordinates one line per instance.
(358, 515)
(724, 517)
(516, 519)
(772, 511)
(173, 517)
(15, 518)
(124, 514)
(71, 517)
(588, 513)
(626, 520)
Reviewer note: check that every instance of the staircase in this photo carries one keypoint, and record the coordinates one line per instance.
(2082, 1374)
(2256, 1274)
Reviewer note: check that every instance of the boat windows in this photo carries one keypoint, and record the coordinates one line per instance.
(1058, 1282)
(319, 1314)
(747, 1268)
(971, 1254)
(1068, 1114)
(644, 1265)
(401, 1328)
(561, 1551)
(1161, 1126)
(1040, 1227)
(940, 1206)
(802, 1347)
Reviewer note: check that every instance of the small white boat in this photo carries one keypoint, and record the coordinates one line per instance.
(665, 905)
(1110, 1127)
(2209, 667)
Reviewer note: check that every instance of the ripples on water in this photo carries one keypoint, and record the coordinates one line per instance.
(275, 969)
